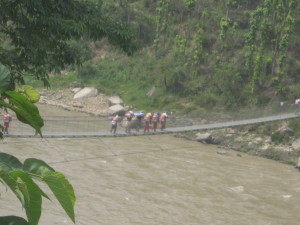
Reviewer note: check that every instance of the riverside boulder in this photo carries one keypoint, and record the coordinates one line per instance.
(296, 144)
(116, 109)
(86, 92)
(204, 138)
(76, 90)
(115, 100)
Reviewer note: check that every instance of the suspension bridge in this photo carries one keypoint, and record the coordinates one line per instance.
(57, 127)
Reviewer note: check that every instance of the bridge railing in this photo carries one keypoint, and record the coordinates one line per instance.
(90, 124)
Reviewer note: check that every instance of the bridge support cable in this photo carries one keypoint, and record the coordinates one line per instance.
(73, 128)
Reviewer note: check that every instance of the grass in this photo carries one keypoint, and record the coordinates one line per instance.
(56, 81)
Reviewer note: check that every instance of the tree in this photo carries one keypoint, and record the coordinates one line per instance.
(271, 26)
(36, 38)
(39, 34)
(162, 20)
(198, 50)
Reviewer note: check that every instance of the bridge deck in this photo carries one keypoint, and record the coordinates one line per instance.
(103, 132)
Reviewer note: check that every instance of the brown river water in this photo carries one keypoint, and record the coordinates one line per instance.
(158, 180)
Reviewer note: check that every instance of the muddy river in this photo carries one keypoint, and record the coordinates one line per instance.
(159, 180)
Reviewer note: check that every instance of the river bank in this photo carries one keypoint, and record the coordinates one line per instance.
(274, 140)
(96, 105)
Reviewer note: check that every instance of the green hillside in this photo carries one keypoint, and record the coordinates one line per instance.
(199, 54)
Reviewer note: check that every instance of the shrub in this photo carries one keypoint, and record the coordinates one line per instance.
(88, 71)
(279, 138)
(295, 125)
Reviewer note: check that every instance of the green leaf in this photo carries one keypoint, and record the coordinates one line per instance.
(9, 162)
(56, 181)
(13, 220)
(37, 167)
(63, 191)
(13, 185)
(4, 78)
(26, 111)
(32, 94)
(33, 196)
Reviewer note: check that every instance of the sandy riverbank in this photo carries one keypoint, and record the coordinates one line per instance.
(97, 106)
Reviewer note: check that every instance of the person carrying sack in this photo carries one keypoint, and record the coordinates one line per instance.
(129, 117)
(163, 121)
(114, 124)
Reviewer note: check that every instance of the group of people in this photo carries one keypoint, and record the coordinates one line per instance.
(151, 121)
(6, 121)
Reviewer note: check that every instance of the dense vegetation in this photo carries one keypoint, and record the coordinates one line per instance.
(200, 54)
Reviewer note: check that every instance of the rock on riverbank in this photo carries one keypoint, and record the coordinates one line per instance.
(94, 103)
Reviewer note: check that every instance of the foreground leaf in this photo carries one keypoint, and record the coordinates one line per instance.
(25, 110)
(18, 177)
(63, 191)
(56, 181)
(32, 94)
(4, 78)
(33, 194)
(16, 187)
(37, 167)
(12, 220)
(9, 162)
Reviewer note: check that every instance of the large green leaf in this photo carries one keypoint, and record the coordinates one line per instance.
(37, 167)
(33, 200)
(32, 94)
(25, 110)
(4, 78)
(56, 181)
(9, 162)
(17, 187)
(12, 220)
(63, 191)
(18, 178)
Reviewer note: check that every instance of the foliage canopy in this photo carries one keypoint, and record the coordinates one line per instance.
(37, 34)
